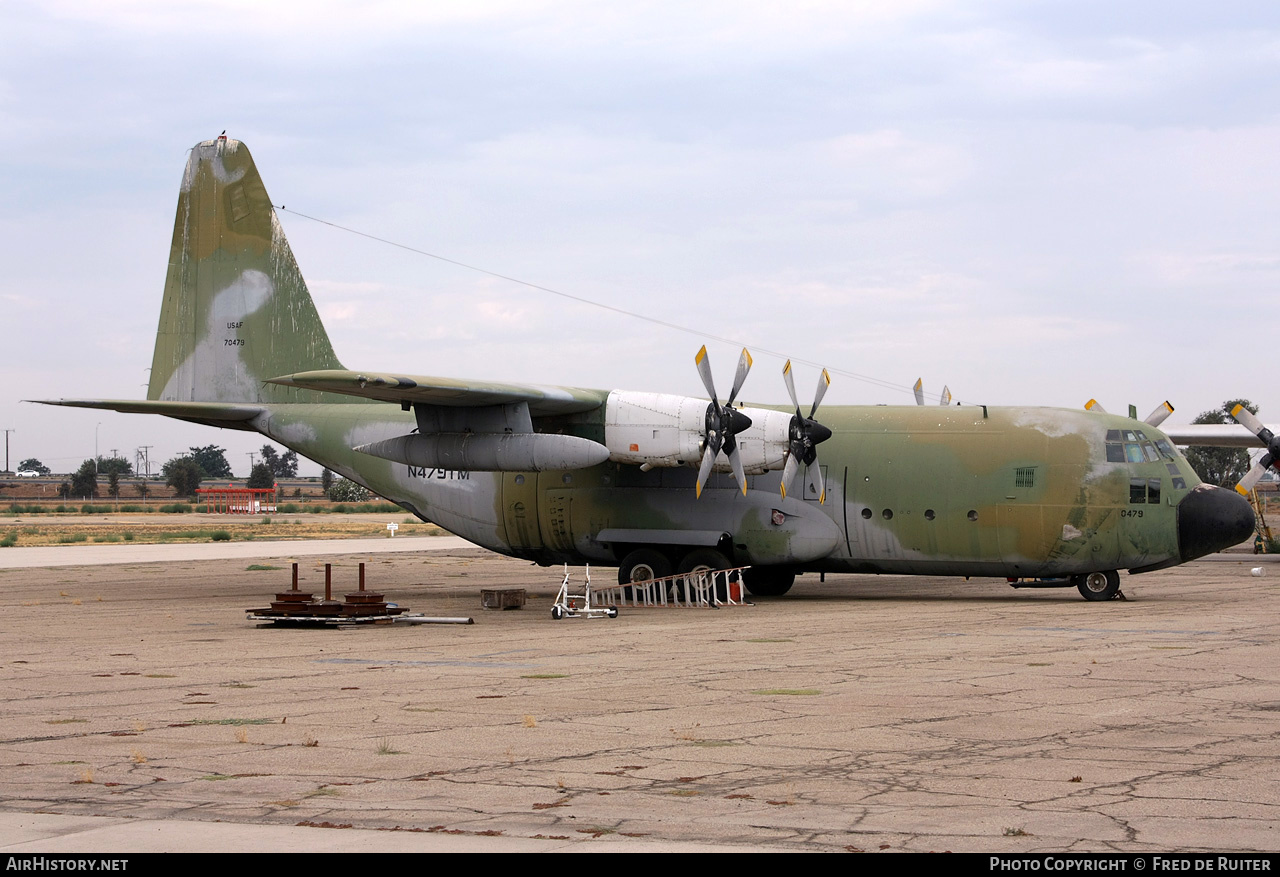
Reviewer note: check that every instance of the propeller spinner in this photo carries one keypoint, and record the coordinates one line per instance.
(1249, 421)
(804, 435)
(722, 422)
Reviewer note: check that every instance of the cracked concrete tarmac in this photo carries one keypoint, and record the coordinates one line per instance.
(861, 713)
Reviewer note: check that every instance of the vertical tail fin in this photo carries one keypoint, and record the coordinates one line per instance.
(236, 310)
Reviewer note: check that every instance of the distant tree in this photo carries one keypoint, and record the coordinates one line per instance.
(142, 488)
(326, 480)
(212, 461)
(113, 484)
(183, 474)
(64, 490)
(116, 465)
(1221, 466)
(347, 491)
(262, 477)
(85, 481)
(282, 465)
(31, 464)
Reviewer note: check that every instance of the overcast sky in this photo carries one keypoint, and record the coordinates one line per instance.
(1035, 203)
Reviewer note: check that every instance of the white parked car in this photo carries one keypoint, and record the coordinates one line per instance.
(28, 473)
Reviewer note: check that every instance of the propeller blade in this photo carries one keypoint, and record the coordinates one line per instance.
(789, 473)
(735, 460)
(1248, 420)
(791, 386)
(1092, 405)
(1253, 475)
(708, 460)
(945, 398)
(704, 370)
(744, 366)
(918, 389)
(1155, 418)
(814, 484)
(824, 381)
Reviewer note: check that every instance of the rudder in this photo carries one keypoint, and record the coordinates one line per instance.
(236, 310)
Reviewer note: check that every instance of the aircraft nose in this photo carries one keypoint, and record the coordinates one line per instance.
(1210, 519)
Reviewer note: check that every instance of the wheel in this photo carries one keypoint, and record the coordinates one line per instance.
(769, 581)
(700, 560)
(557, 613)
(703, 559)
(1098, 586)
(643, 565)
(613, 612)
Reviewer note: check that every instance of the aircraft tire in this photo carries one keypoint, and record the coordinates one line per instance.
(1098, 586)
(699, 560)
(703, 559)
(768, 581)
(557, 613)
(643, 565)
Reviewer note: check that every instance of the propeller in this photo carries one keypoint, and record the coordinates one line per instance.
(918, 389)
(1155, 418)
(722, 422)
(803, 437)
(1249, 421)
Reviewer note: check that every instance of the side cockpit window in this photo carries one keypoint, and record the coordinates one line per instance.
(1144, 490)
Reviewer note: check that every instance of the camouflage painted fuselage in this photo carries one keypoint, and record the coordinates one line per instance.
(958, 491)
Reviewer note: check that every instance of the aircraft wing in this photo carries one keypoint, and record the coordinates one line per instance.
(224, 414)
(447, 392)
(1213, 435)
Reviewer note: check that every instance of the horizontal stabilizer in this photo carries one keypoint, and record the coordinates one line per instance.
(449, 392)
(225, 414)
(490, 452)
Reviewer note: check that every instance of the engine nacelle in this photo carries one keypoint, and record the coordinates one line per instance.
(658, 429)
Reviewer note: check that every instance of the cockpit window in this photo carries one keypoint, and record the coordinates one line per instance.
(1115, 451)
(1166, 449)
(1133, 452)
(1137, 490)
(1153, 491)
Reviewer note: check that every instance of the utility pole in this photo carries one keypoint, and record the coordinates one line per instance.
(251, 456)
(6, 449)
(147, 463)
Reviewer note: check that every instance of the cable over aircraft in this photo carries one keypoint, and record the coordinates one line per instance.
(657, 483)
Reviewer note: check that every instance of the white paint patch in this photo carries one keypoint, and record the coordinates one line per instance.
(295, 432)
(211, 151)
(1069, 532)
(1053, 422)
(214, 371)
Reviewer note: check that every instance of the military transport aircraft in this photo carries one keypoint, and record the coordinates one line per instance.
(658, 483)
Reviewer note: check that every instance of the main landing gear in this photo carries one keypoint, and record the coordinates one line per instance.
(1098, 586)
(647, 564)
